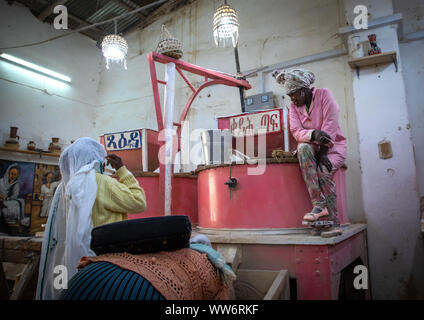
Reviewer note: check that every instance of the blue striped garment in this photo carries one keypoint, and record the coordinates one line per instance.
(106, 281)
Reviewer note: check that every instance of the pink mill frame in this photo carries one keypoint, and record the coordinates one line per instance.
(211, 78)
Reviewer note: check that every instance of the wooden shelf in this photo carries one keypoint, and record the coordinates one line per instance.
(40, 153)
(376, 59)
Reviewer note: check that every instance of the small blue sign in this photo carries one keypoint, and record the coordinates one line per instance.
(126, 140)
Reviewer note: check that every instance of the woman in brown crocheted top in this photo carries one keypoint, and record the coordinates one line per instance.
(183, 274)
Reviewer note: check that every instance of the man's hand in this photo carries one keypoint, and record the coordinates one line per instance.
(322, 159)
(114, 161)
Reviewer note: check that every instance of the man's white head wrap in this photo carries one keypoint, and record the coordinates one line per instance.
(294, 79)
(67, 234)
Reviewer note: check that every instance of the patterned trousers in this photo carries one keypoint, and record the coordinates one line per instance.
(320, 183)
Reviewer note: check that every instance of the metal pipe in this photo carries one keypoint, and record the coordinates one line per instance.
(145, 150)
(241, 90)
(286, 129)
(261, 82)
(298, 61)
(169, 123)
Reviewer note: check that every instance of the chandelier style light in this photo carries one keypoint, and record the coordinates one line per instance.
(115, 49)
(225, 25)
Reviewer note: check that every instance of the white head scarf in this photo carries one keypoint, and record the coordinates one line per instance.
(6, 186)
(202, 239)
(68, 230)
(294, 79)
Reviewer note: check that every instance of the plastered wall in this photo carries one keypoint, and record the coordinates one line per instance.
(389, 186)
(41, 107)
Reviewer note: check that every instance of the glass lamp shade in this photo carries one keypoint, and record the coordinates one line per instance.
(225, 25)
(115, 49)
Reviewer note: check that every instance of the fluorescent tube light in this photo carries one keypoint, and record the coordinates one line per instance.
(34, 67)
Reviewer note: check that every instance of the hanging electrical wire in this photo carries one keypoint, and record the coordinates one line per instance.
(88, 27)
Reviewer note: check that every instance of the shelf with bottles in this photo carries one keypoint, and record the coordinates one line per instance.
(375, 59)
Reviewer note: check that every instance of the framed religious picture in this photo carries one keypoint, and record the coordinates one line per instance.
(46, 179)
(16, 194)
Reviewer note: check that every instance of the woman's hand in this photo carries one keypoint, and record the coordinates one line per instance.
(321, 137)
(114, 161)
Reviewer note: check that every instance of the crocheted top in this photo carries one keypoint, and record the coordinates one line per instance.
(182, 274)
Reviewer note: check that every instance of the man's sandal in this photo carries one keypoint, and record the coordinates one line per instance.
(311, 217)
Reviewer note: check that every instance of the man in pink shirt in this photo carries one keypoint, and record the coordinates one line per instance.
(321, 149)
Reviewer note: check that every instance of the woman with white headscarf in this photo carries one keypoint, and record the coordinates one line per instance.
(84, 199)
(11, 206)
(321, 149)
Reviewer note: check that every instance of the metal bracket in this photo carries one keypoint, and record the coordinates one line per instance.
(396, 64)
(231, 183)
(318, 223)
(211, 78)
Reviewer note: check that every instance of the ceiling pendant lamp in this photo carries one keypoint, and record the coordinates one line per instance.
(225, 25)
(115, 49)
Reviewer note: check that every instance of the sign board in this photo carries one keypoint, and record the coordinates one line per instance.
(127, 140)
(249, 124)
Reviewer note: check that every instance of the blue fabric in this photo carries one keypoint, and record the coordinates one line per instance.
(216, 259)
(106, 281)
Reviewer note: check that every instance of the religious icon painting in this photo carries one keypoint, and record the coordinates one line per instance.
(46, 181)
(16, 192)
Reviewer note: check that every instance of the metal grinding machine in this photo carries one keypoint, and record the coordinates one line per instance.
(250, 208)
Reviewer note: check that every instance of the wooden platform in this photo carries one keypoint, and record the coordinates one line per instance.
(299, 236)
(20, 250)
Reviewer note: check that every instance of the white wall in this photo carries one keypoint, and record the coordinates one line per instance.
(413, 64)
(40, 107)
(412, 54)
(412, 12)
(391, 204)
